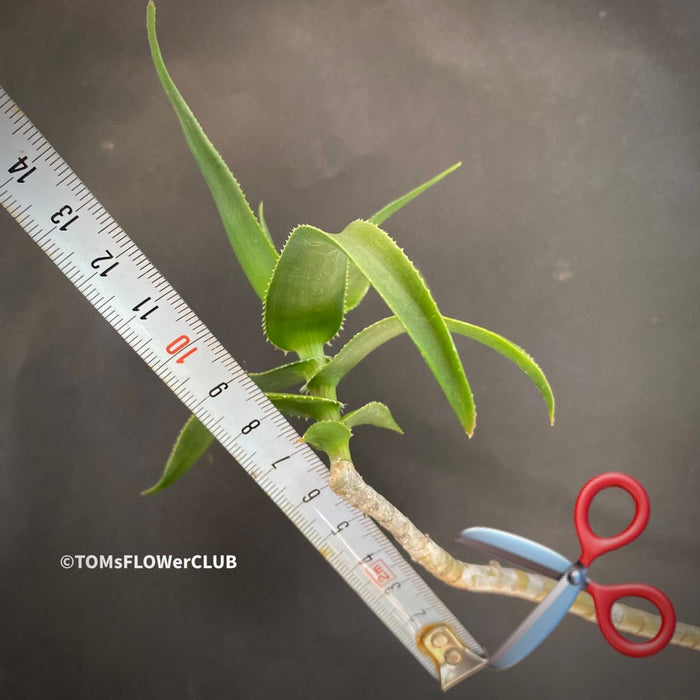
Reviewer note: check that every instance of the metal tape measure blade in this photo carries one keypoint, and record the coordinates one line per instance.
(62, 216)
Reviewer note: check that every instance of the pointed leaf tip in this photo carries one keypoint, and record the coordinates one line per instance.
(372, 413)
(405, 292)
(390, 209)
(357, 283)
(370, 338)
(512, 352)
(191, 444)
(289, 375)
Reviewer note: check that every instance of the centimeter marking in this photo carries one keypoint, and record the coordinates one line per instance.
(70, 225)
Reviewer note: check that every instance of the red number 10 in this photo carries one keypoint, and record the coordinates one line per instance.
(178, 344)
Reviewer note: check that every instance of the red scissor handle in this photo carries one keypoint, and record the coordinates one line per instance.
(604, 598)
(593, 546)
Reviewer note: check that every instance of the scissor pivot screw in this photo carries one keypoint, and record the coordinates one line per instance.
(574, 577)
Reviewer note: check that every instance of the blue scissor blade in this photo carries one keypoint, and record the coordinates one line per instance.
(519, 550)
(537, 625)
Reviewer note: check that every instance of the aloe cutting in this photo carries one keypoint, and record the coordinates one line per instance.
(307, 288)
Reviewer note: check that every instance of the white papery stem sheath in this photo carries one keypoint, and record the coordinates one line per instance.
(347, 483)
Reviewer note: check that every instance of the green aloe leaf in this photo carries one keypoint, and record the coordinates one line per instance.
(370, 338)
(357, 287)
(252, 247)
(330, 436)
(288, 376)
(356, 349)
(191, 444)
(400, 285)
(195, 438)
(512, 352)
(372, 413)
(304, 302)
(304, 406)
(390, 209)
(263, 223)
(357, 282)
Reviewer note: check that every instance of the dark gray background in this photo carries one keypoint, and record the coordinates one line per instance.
(572, 229)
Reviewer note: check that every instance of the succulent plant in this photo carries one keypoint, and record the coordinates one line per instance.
(307, 289)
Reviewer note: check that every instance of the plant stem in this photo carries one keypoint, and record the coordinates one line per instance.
(347, 483)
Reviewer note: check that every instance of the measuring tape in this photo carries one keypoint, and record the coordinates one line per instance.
(68, 223)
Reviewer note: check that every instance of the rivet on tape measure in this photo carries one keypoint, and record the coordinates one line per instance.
(63, 217)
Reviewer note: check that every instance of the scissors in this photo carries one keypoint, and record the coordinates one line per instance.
(573, 577)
